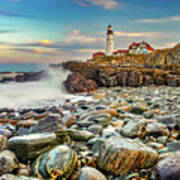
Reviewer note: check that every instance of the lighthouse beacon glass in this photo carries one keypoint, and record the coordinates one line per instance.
(110, 41)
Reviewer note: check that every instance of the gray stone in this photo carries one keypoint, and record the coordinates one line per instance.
(134, 129)
(30, 146)
(168, 168)
(81, 135)
(89, 173)
(157, 129)
(95, 129)
(51, 123)
(8, 162)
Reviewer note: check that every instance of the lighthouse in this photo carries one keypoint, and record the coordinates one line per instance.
(110, 41)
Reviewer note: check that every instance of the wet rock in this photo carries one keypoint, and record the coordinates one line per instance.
(69, 120)
(148, 114)
(157, 129)
(9, 177)
(3, 142)
(8, 162)
(138, 109)
(27, 123)
(103, 119)
(80, 135)
(58, 163)
(134, 129)
(174, 146)
(95, 129)
(5, 132)
(99, 95)
(51, 123)
(168, 168)
(89, 173)
(76, 83)
(120, 156)
(30, 146)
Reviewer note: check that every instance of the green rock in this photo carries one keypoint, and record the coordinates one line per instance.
(30, 146)
(57, 163)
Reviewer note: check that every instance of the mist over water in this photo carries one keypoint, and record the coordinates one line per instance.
(45, 92)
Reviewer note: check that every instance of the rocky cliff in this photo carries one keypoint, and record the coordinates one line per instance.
(161, 67)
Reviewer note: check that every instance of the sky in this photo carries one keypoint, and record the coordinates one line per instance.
(59, 30)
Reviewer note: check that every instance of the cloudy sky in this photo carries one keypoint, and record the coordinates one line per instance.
(55, 30)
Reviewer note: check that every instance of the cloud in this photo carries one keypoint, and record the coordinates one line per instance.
(160, 20)
(4, 31)
(106, 4)
(46, 52)
(13, 15)
(137, 34)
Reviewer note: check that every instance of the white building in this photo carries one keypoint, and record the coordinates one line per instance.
(110, 41)
(140, 48)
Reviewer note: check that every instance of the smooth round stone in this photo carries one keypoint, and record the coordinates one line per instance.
(58, 163)
(9, 177)
(168, 168)
(95, 129)
(157, 129)
(30, 146)
(8, 162)
(6, 133)
(3, 142)
(162, 139)
(89, 173)
(134, 129)
(81, 135)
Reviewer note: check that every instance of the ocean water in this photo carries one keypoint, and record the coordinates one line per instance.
(46, 92)
(22, 67)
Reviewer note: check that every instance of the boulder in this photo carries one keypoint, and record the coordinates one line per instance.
(28, 147)
(168, 168)
(77, 83)
(89, 173)
(57, 163)
(119, 156)
(8, 162)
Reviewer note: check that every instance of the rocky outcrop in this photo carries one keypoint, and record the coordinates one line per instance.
(106, 75)
(77, 83)
(21, 77)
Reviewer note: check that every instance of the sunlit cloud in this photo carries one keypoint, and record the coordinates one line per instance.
(106, 4)
(159, 20)
(137, 34)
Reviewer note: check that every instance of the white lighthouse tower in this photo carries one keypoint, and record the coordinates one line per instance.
(110, 41)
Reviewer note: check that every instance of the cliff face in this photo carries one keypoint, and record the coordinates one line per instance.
(166, 56)
(161, 67)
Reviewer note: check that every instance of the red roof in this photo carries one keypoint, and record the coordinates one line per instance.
(148, 46)
(97, 54)
(120, 51)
